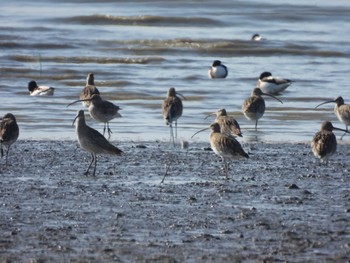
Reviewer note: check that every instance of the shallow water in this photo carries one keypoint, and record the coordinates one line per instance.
(138, 49)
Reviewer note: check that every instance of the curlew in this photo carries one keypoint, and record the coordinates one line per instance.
(253, 107)
(217, 70)
(89, 90)
(102, 111)
(9, 133)
(35, 90)
(324, 143)
(225, 146)
(341, 110)
(172, 110)
(92, 141)
(228, 124)
(272, 85)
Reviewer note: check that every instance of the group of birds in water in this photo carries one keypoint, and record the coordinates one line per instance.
(224, 130)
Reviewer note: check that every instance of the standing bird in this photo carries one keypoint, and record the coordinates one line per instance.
(172, 110)
(102, 111)
(253, 107)
(9, 133)
(92, 141)
(228, 124)
(217, 70)
(272, 85)
(324, 143)
(226, 146)
(341, 110)
(88, 90)
(35, 90)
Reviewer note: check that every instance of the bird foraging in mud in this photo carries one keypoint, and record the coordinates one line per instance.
(9, 133)
(324, 143)
(225, 146)
(172, 110)
(92, 141)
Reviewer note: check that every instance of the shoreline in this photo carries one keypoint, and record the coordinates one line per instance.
(278, 205)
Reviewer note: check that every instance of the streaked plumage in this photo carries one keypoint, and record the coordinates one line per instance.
(228, 124)
(9, 133)
(272, 85)
(35, 90)
(324, 143)
(226, 146)
(172, 110)
(102, 111)
(341, 110)
(253, 107)
(89, 90)
(92, 141)
(217, 70)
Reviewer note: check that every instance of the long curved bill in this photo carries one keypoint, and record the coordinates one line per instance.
(338, 129)
(181, 95)
(266, 94)
(77, 101)
(210, 114)
(328, 101)
(199, 131)
(74, 120)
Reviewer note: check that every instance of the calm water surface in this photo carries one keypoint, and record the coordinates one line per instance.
(138, 49)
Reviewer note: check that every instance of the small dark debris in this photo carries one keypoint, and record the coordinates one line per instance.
(207, 149)
(293, 186)
(141, 146)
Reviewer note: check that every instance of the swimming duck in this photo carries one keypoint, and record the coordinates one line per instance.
(272, 85)
(35, 90)
(217, 70)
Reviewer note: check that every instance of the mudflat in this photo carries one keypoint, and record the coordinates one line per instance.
(281, 204)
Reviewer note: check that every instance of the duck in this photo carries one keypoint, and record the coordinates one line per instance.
(35, 90)
(256, 37)
(272, 85)
(217, 70)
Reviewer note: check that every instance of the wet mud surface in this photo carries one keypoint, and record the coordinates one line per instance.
(279, 205)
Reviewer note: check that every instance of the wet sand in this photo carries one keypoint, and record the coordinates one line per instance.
(279, 205)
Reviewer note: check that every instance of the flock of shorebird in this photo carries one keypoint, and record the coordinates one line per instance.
(224, 130)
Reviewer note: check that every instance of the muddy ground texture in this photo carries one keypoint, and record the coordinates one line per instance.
(279, 205)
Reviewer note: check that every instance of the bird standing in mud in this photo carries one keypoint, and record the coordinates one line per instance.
(102, 111)
(272, 85)
(89, 90)
(35, 90)
(228, 124)
(172, 110)
(92, 141)
(225, 146)
(9, 133)
(324, 143)
(341, 110)
(253, 107)
(217, 70)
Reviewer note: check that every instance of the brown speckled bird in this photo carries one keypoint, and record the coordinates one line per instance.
(9, 133)
(172, 110)
(253, 107)
(92, 141)
(88, 90)
(324, 143)
(228, 124)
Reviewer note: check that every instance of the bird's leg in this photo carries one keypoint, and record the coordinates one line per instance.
(7, 153)
(226, 169)
(95, 157)
(2, 151)
(92, 159)
(175, 129)
(344, 133)
(109, 131)
(172, 133)
(256, 124)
